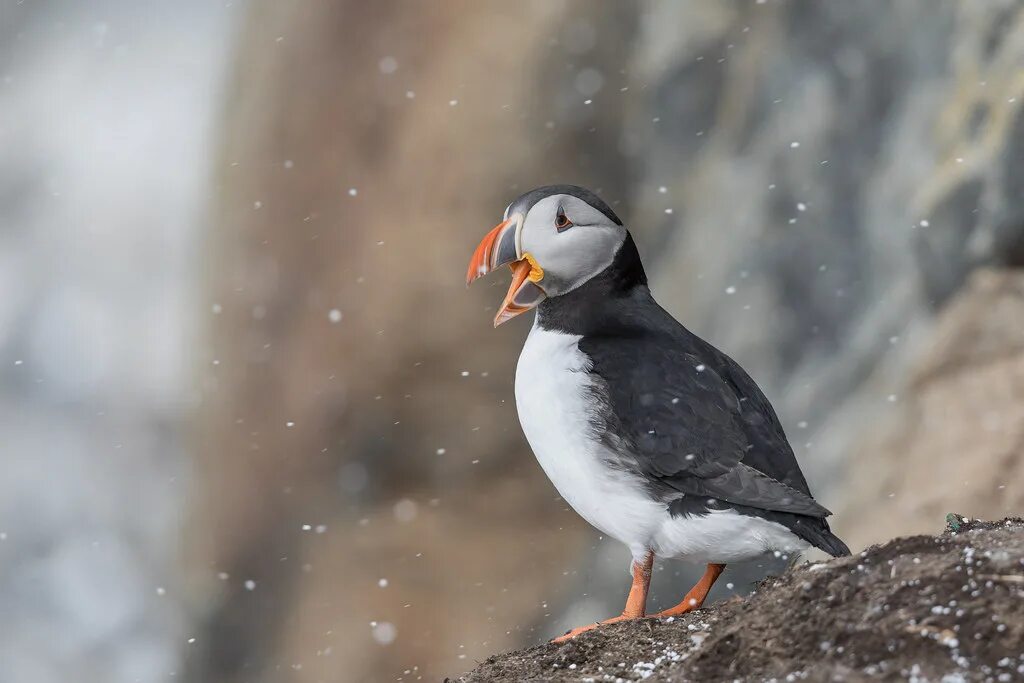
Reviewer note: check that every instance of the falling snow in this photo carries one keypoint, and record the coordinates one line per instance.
(405, 510)
(384, 632)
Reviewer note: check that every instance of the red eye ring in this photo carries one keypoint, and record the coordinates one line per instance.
(562, 222)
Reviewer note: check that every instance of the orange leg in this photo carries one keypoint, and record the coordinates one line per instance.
(636, 602)
(695, 598)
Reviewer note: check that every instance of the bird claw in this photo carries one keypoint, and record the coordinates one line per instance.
(688, 605)
(569, 635)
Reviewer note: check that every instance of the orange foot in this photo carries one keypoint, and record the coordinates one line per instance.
(569, 635)
(697, 595)
(636, 602)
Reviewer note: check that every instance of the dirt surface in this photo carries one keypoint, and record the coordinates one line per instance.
(927, 608)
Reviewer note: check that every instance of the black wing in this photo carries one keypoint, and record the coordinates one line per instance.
(690, 419)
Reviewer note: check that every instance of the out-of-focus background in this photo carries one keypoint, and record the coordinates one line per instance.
(254, 428)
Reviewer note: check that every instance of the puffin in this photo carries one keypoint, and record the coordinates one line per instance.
(651, 434)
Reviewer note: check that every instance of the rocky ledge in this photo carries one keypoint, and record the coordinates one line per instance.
(928, 608)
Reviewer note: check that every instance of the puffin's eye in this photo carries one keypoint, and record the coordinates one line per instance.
(562, 221)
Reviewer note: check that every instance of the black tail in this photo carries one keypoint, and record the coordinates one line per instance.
(831, 544)
(815, 531)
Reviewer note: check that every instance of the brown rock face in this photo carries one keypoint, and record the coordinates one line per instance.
(956, 438)
(359, 458)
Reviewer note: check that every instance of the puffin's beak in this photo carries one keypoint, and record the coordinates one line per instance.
(501, 246)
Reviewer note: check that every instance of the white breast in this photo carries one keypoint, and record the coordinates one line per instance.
(555, 410)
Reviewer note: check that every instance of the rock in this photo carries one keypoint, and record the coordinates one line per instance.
(929, 607)
(953, 438)
(833, 177)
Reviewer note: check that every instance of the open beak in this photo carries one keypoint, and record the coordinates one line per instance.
(502, 246)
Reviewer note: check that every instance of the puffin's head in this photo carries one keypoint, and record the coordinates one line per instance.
(554, 239)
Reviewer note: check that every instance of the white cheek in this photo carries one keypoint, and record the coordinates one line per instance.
(570, 263)
(586, 255)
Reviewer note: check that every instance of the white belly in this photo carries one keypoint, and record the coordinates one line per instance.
(555, 410)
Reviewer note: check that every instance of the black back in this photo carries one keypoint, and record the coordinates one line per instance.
(681, 414)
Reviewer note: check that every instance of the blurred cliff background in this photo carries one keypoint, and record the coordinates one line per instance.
(256, 429)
